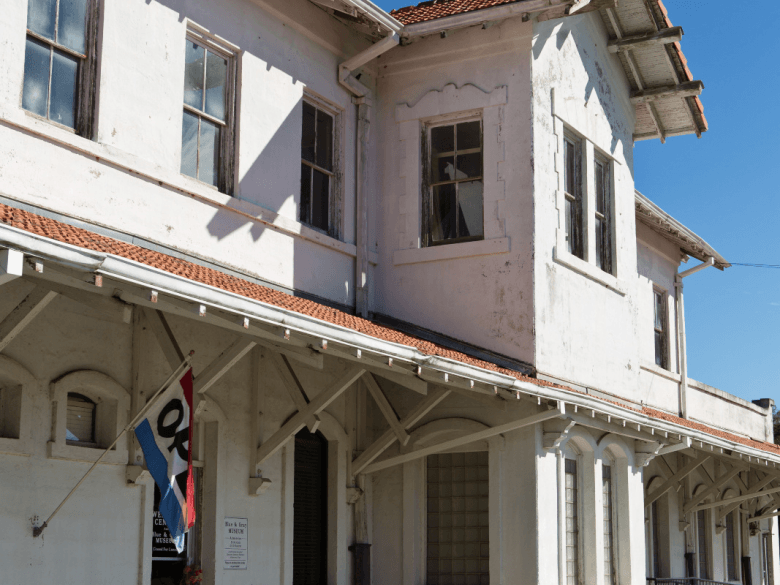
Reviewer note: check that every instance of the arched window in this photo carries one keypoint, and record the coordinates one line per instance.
(80, 421)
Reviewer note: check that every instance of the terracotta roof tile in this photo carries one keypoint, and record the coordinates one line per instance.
(433, 9)
(82, 238)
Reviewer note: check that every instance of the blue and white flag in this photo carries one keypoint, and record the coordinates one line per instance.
(165, 436)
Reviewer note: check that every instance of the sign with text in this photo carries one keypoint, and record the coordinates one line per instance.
(236, 543)
(163, 548)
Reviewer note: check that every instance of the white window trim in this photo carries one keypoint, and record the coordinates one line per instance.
(12, 373)
(451, 104)
(667, 330)
(336, 203)
(111, 413)
(228, 167)
(561, 255)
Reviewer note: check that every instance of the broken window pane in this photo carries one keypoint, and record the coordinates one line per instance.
(442, 139)
(599, 243)
(309, 132)
(71, 24)
(443, 207)
(189, 145)
(324, 140)
(444, 169)
(41, 16)
(208, 157)
(194, 56)
(64, 71)
(469, 135)
(469, 165)
(216, 84)
(36, 77)
(470, 203)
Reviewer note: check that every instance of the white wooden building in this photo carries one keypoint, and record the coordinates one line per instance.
(439, 335)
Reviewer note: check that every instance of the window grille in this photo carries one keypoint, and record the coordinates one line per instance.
(80, 420)
(731, 544)
(317, 170)
(455, 185)
(656, 536)
(701, 538)
(572, 525)
(59, 62)
(458, 539)
(609, 550)
(310, 509)
(572, 186)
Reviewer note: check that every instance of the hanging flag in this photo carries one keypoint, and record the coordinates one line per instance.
(165, 436)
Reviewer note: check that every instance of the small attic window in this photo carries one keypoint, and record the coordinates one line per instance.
(80, 425)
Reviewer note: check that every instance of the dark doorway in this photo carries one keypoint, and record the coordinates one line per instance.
(310, 509)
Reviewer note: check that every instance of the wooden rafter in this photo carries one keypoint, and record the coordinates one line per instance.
(298, 421)
(11, 265)
(752, 490)
(30, 307)
(294, 388)
(387, 409)
(687, 89)
(669, 35)
(713, 489)
(735, 500)
(673, 481)
(389, 437)
(471, 438)
(221, 364)
(165, 338)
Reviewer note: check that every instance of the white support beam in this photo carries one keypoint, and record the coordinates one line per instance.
(681, 90)
(387, 409)
(298, 421)
(736, 499)
(675, 479)
(226, 360)
(162, 332)
(30, 307)
(405, 379)
(294, 388)
(388, 438)
(713, 489)
(11, 265)
(686, 444)
(764, 516)
(666, 36)
(752, 490)
(460, 441)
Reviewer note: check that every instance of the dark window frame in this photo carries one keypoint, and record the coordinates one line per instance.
(81, 443)
(85, 95)
(661, 328)
(226, 167)
(573, 194)
(571, 468)
(602, 172)
(428, 184)
(703, 546)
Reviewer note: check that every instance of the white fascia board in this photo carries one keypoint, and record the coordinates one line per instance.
(122, 269)
(376, 14)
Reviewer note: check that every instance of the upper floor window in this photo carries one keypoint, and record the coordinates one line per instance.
(80, 421)
(60, 63)
(453, 208)
(572, 186)
(317, 167)
(207, 128)
(458, 544)
(602, 213)
(660, 326)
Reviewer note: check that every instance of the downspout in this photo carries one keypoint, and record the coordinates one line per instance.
(361, 97)
(681, 344)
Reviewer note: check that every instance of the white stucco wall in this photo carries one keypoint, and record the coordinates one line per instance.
(286, 47)
(479, 292)
(579, 86)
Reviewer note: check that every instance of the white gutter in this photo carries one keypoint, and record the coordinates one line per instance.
(681, 341)
(362, 99)
(376, 14)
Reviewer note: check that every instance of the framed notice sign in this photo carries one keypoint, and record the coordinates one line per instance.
(163, 548)
(236, 543)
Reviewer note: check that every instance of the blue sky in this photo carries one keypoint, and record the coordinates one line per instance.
(724, 186)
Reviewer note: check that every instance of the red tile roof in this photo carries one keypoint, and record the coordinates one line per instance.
(433, 9)
(62, 232)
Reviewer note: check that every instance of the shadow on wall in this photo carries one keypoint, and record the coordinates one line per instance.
(598, 82)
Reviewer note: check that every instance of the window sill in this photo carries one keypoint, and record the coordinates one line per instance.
(20, 120)
(659, 371)
(451, 251)
(10, 446)
(596, 274)
(87, 454)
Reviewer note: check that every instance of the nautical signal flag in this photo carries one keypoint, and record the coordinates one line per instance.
(165, 436)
